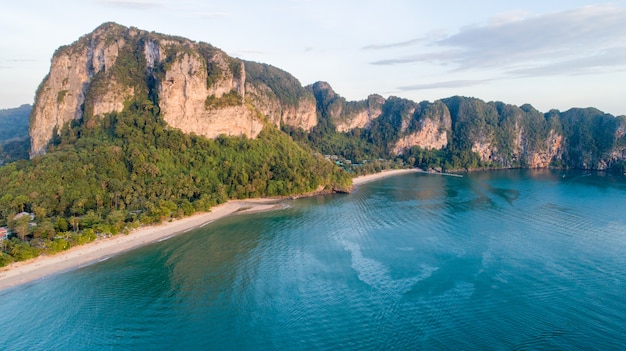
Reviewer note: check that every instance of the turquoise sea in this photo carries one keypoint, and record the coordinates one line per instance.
(503, 260)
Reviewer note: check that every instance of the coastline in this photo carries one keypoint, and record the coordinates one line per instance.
(384, 174)
(37, 268)
(27, 271)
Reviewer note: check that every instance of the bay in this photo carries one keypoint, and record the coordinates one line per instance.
(513, 259)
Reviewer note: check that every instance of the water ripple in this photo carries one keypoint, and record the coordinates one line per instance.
(503, 260)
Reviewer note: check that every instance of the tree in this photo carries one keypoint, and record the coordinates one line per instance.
(61, 224)
(44, 229)
(19, 202)
(22, 227)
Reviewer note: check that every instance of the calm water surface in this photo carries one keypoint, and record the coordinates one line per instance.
(499, 260)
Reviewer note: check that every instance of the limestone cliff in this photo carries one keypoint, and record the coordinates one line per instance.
(429, 128)
(280, 96)
(553, 150)
(303, 114)
(61, 96)
(347, 119)
(202, 90)
(198, 88)
(346, 115)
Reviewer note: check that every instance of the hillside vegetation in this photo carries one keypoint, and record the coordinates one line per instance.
(129, 169)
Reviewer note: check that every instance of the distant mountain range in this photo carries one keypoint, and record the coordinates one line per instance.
(14, 139)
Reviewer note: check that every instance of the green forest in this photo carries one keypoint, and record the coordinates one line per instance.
(129, 169)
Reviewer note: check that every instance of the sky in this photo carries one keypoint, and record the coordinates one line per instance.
(552, 54)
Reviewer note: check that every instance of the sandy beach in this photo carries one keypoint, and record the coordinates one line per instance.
(384, 174)
(42, 266)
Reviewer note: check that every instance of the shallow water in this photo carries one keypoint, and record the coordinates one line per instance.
(493, 260)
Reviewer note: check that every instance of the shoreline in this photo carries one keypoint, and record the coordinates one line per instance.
(43, 266)
(23, 272)
(360, 180)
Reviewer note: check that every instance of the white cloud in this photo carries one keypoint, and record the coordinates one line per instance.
(443, 57)
(508, 17)
(12, 63)
(411, 42)
(394, 45)
(571, 42)
(606, 61)
(445, 84)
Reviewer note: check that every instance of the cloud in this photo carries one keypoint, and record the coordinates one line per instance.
(445, 84)
(210, 14)
(573, 42)
(394, 45)
(429, 37)
(442, 57)
(21, 60)
(506, 17)
(134, 4)
(12, 63)
(609, 60)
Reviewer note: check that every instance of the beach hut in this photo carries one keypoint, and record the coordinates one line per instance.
(24, 214)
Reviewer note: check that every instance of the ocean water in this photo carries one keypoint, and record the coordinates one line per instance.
(505, 260)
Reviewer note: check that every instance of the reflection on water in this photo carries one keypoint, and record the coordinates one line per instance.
(528, 259)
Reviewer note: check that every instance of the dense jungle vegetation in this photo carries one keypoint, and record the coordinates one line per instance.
(129, 169)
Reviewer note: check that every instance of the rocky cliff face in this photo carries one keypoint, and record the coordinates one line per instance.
(302, 114)
(203, 94)
(346, 115)
(199, 89)
(553, 150)
(429, 128)
(360, 117)
(280, 97)
(61, 95)
(428, 136)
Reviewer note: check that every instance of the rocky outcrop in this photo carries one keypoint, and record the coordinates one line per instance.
(359, 119)
(232, 121)
(429, 136)
(61, 95)
(521, 153)
(542, 159)
(347, 119)
(302, 114)
(345, 115)
(484, 149)
(280, 97)
(199, 89)
(192, 98)
(428, 128)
